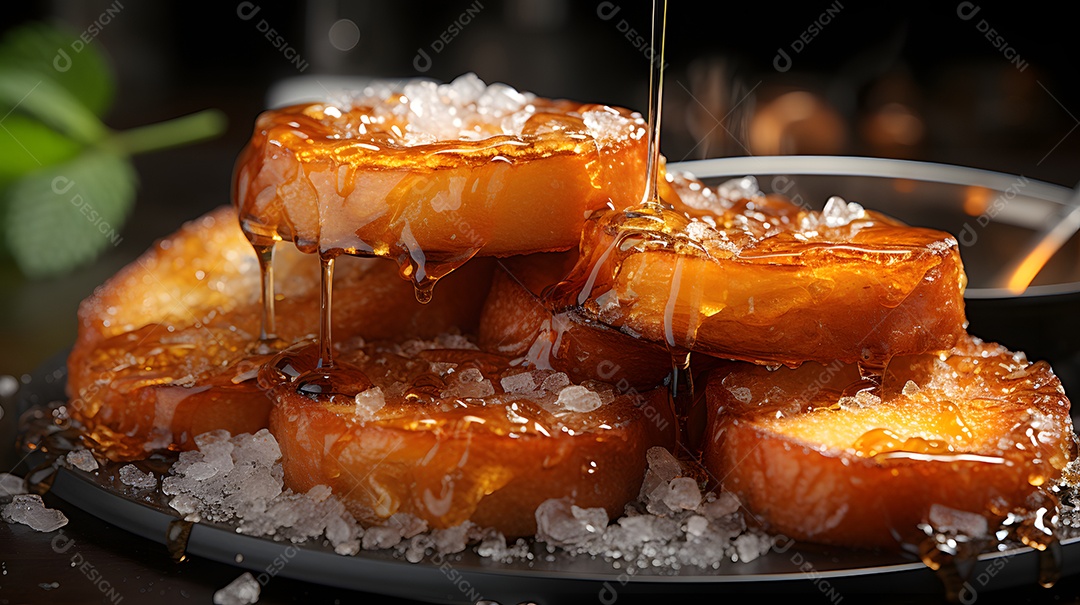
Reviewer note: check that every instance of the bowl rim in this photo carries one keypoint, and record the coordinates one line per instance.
(915, 170)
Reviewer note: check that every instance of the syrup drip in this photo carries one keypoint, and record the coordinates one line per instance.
(681, 390)
(944, 563)
(1050, 562)
(383, 177)
(326, 295)
(612, 237)
(176, 539)
(268, 325)
(301, 365)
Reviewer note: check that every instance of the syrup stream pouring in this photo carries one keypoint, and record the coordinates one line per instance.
(651, 197)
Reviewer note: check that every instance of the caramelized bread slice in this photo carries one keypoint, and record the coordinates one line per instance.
(761, 279)
(817, 454)
(430, 175)
(515, 322)
(449, 433)
(168, 347)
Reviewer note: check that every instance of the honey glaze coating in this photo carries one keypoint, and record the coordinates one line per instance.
(515, 322)
(736, 274)
(820, 454)
(168, 347)
(449, 433)
(430, 175)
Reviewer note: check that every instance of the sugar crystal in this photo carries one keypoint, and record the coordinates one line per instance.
(561, 523)
(522, 383)
(555, 382)
(838, 213)
(452, 539)
(83, 460)
(131, 475)
(368, 403)
(750, 546)
(958, 522)
(910, 388)
(739, 189)
(722, 505)
(244, 590)
(683, 493)
(578, 399)
(697, 525)
(663, 463)
(469, 384)
(29, 509)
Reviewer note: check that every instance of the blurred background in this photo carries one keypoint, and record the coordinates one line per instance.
(977, 84)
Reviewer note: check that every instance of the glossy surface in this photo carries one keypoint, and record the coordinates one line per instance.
(430, 176)
(764, 280)
(445, 438)
(449, 434)
(515, 322)
(169, 347)
(819, 453)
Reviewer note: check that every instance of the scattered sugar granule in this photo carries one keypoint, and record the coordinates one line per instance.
(244, 590)
(29, 509)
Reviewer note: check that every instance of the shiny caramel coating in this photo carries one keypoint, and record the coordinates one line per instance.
(818, 453)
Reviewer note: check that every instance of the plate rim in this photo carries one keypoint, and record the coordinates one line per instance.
(440, 582)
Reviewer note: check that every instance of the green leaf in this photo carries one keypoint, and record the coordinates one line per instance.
(32, 94)
(27, 145)
(65, 215)
(58, 54)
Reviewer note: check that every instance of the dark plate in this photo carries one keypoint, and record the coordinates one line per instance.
(789, 568)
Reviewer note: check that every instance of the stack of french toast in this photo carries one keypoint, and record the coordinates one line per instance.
(815, 363)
